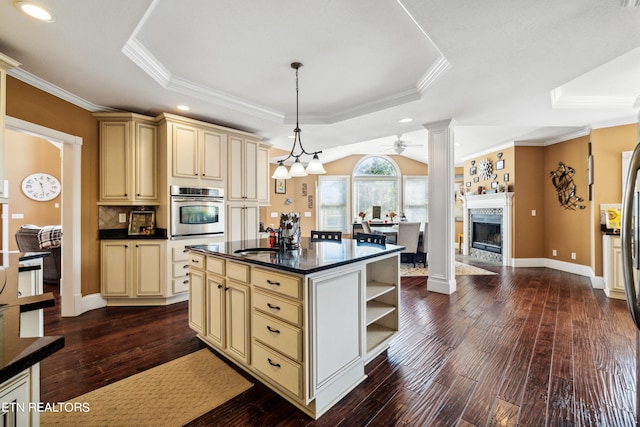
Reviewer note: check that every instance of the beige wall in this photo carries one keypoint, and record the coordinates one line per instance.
(567, 230)
(531, 176)
(28, 155)
(33, 105)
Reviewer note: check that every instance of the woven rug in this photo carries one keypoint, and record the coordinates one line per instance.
(408, 270)
(171, 394)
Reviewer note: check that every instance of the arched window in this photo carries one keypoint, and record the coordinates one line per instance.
(376, 182)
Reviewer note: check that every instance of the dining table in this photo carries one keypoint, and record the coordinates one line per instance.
(392, 232)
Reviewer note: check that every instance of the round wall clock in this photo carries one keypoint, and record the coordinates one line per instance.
(41, 187)
(484, 168)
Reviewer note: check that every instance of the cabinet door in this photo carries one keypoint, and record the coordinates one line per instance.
(235, 223)
(146, 153)
(236, 169)
(115, 161)
(238, 311)
(264, 175)
(196, 300)
(116, 269)
(216, 310)
(251, 222)
(251, 170)
(213, 150)
(185, 151)
(17, 391)
(149, 257)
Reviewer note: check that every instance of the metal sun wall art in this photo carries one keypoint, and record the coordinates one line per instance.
(562, 179)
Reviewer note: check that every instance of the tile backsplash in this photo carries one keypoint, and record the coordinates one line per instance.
(109, 216)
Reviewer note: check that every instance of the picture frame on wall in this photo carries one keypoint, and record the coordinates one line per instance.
(473, 170)
(281, 186)
(500, 164)
(494, 184)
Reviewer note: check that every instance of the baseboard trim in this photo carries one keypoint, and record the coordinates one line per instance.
(92, 302)
(597, 282)
(441, 286)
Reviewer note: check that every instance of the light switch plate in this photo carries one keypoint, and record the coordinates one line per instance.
(274, 214)
(307, 214)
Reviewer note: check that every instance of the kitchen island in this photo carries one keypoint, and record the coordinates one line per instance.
(303, 321)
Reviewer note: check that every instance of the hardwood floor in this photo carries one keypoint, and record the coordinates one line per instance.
(527, 347)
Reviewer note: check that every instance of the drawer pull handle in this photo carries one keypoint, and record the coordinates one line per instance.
(275, 331)
(273, 307)
(219, 286)
(277, 365)
(273, 283)
(195, 260)
(184, 251)
(185, 266)
(186, 281)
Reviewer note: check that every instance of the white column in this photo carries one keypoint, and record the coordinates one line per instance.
(442, 277)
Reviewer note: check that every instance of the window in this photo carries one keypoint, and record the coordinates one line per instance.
(416, 198)
(375, 183)
(333, 203)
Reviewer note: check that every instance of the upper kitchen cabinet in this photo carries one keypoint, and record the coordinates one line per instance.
(6, 63)
(248, 170)
(128, 159)
(198, 152)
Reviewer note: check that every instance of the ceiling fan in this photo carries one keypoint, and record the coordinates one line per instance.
(399, 145)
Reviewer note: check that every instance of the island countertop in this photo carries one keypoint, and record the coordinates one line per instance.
(312, 256)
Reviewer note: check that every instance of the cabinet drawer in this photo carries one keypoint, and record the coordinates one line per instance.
(179, 269)
(286, 285)
(286, 310)
(179, 254)
(180, 284)
(239, 272)
(196, 260)
(284, 372)
(215, 265)
(278, 335)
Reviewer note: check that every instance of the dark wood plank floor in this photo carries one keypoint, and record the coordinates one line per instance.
(527, 347)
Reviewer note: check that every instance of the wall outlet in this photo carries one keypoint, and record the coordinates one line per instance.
(533, 212)
(554, 252)
(274, 214)
(122, 218)
(307, 214)
(17, 216)
(573, 255)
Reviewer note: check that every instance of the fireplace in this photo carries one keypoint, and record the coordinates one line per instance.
(486, 232)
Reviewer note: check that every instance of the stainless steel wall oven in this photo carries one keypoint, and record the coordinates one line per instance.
(197, 212)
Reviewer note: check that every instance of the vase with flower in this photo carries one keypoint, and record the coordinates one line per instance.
(362, 215)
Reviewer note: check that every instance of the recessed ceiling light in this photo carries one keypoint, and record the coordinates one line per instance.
(183, 107)
(35, 10)
(406, 120)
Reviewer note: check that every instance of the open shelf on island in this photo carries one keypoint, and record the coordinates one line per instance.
(377, 310)
(376, 289)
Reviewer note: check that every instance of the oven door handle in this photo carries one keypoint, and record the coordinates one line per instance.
(197, 199)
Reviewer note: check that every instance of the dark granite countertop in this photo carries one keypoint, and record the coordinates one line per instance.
(312, 256)
(123, 234)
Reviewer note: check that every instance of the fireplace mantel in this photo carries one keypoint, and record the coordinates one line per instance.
(503, 201)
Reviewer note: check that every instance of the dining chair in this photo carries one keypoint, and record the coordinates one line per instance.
(366, 227)
(317, 235)
(378, 239)
(423, 245)
(409, 236)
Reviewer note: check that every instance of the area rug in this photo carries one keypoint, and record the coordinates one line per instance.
(171, 394)
(408, 270)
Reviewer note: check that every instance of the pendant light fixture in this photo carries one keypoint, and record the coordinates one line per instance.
(297, 169)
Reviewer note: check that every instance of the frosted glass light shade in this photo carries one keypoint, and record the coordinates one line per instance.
(297, 169)
(315, 166)
(281, 172)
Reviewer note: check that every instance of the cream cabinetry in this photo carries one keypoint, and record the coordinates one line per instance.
(248, 170)
(219, 306)
(128, 159)
(612, 267)
(6, 63)
(198, 152)
(309, 335)
(131, 271)
(243, 221)
(15, 395)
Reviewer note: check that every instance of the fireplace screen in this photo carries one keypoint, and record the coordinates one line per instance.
(486, 233)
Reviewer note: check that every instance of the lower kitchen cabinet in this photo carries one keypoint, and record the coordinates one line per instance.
(612, 267)
(132, 270)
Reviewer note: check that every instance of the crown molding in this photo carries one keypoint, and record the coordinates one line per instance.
(629, 3)
(54, 90)
(436, 71)
(558, 100)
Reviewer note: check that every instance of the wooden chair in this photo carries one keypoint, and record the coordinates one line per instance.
(317, 235)
(377, 239)
(408, 236)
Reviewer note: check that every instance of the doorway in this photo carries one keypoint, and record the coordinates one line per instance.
(70, 283)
